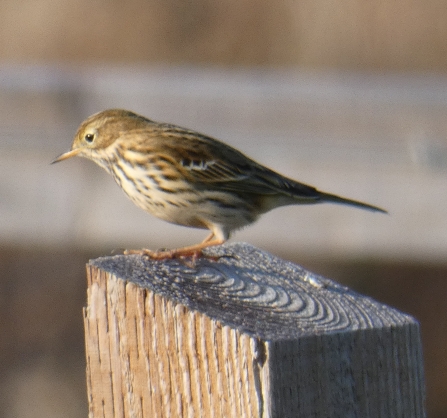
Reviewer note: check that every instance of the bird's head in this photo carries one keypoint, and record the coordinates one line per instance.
(100, 131)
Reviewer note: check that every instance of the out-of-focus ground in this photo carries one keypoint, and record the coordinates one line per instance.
(351, 98)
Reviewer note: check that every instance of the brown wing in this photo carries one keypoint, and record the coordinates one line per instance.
(212, 164)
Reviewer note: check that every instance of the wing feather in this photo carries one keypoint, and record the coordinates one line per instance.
(212, 164)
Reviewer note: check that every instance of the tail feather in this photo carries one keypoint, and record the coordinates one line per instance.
(327, 197)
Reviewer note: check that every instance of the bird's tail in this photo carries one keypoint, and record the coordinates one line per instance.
(327, 197)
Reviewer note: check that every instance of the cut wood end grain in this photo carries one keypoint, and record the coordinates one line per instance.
(256, 292)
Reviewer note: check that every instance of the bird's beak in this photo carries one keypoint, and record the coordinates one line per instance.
(66, 155)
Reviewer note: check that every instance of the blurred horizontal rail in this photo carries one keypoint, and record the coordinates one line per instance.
(367, 137)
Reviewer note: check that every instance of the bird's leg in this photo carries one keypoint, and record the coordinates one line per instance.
(208, 238)
(194, 251)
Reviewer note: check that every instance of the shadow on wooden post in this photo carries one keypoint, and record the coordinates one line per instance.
(248, 335)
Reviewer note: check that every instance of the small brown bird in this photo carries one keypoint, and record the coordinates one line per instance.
(187, 178)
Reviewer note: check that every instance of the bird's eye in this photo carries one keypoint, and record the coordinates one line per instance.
(89, 138)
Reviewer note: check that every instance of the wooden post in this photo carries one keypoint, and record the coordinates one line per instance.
(244, 335)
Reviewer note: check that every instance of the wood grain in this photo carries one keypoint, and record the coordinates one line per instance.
(246, 335)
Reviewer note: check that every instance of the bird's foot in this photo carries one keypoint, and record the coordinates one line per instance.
(193, 251)
(172, 254)
(155, 255)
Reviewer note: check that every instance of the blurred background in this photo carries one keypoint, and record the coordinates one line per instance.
(349, 96)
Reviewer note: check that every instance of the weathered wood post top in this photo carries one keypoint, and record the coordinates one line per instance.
(244, 334)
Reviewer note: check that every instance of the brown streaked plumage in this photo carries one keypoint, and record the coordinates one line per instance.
(188, 178)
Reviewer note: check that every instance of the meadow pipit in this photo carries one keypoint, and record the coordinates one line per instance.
(187, 178)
